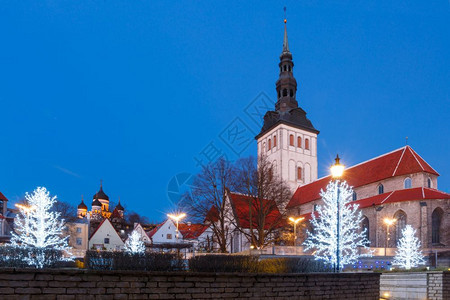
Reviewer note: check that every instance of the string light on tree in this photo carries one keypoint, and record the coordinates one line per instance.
(408, 254)
(134, 244)
(336, 232)
(39, 229)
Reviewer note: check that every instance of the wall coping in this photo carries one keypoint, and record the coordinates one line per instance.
(177, 273)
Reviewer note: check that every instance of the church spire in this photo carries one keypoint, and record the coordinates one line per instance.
(286, 84)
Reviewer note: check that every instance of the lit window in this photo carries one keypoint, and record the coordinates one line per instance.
(269, 145)
(106, 240)
(299, 142)
(380, 189)
(407, 183)
(307, 144)
(299, 173)
(169, 236)
(436, 221)
(79, 241)
(78, 229)
(291, 140)
(275, 141)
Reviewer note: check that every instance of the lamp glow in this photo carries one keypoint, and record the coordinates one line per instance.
(337, 169)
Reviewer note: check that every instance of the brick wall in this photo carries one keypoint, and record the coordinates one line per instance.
(438, 285)
(84, 284)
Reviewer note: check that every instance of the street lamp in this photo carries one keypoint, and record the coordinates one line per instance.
(388, 222)
(25, 208)
(295, 221)
(177, 218)
(336, 172)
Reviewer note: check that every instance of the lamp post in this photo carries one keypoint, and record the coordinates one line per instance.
(177, 218)
(295, 221)
(388, 223)
(336, 172)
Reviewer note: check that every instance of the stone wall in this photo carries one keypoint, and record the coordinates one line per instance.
(84, 284)
(420, 285)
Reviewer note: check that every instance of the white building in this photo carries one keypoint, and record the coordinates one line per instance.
(105, 237)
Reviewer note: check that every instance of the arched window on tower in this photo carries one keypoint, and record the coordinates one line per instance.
(284, 92)
(279, 94)
(400, 216)
(436, 221)
(269, 145)
(274, 141)
(291, 93)
(289, 68)
(429, 183)
(299, 173)
(291, 140)
(299, 141)
(407, 183)
(307, 144)
(285, 68)
(365, 226)
(380, 189)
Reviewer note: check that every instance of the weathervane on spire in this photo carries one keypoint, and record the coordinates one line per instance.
(285, 40)
(285, 18)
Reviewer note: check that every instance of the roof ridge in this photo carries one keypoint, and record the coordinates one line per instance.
(412, 152)
(415, 153)
(379, 156)
(399, 161)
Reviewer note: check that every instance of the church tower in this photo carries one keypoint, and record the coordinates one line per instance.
(288, 139)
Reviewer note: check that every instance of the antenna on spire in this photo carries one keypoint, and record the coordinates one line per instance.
(82, 198)
(285, 18)
(101, 183)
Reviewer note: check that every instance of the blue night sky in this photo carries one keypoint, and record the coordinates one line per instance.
(132, 92)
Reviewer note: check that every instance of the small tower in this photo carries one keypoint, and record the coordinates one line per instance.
(288, 139)
(120, 209)
(96, 212)
(81, 209)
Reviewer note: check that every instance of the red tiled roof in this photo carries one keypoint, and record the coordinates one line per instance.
(240, 204)
(399, 162)
(191, 231)
(115, 214)
(155, 229)
(212, 215)
(2, 197)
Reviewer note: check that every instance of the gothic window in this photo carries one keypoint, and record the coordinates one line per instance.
(354, 196)
(299, 173)
(284, 92)
(285, 68)
(299, 142)
(269, 145)
(436, 220)
(274, 141)
(291, 93)
(279, 94)
(289, 68)
(307, 144)
(407, 183)
(400, 216)
(380, 189)
(429, 182)
(291, 140)
(365, 226)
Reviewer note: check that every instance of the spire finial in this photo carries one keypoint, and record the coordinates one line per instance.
(101, 183)
(406, 141)
(285, 40)
(82, 200)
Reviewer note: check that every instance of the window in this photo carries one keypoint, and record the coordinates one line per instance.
(289, 68)
(354, 196)
(380, 189)
(1, 207)
(284, 67)
(436, 220)
(78, 229)
(307, 144)
(315, 207)
(274, 141)
(299, 173)
(269, 145)
(299, 141)
(400, 216)
(169, 236)
(291, 92)
(407, 183)
(106, 241)
(429, 182)
(365, 226)
(284, 92)
(291, 140)
(79, 241)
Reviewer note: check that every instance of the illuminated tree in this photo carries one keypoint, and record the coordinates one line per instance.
(324, 237)
(408, 254)
(39, 229)
(134, 244)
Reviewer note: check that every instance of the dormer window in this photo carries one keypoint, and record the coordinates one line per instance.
(407, 183)
(380, 189)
